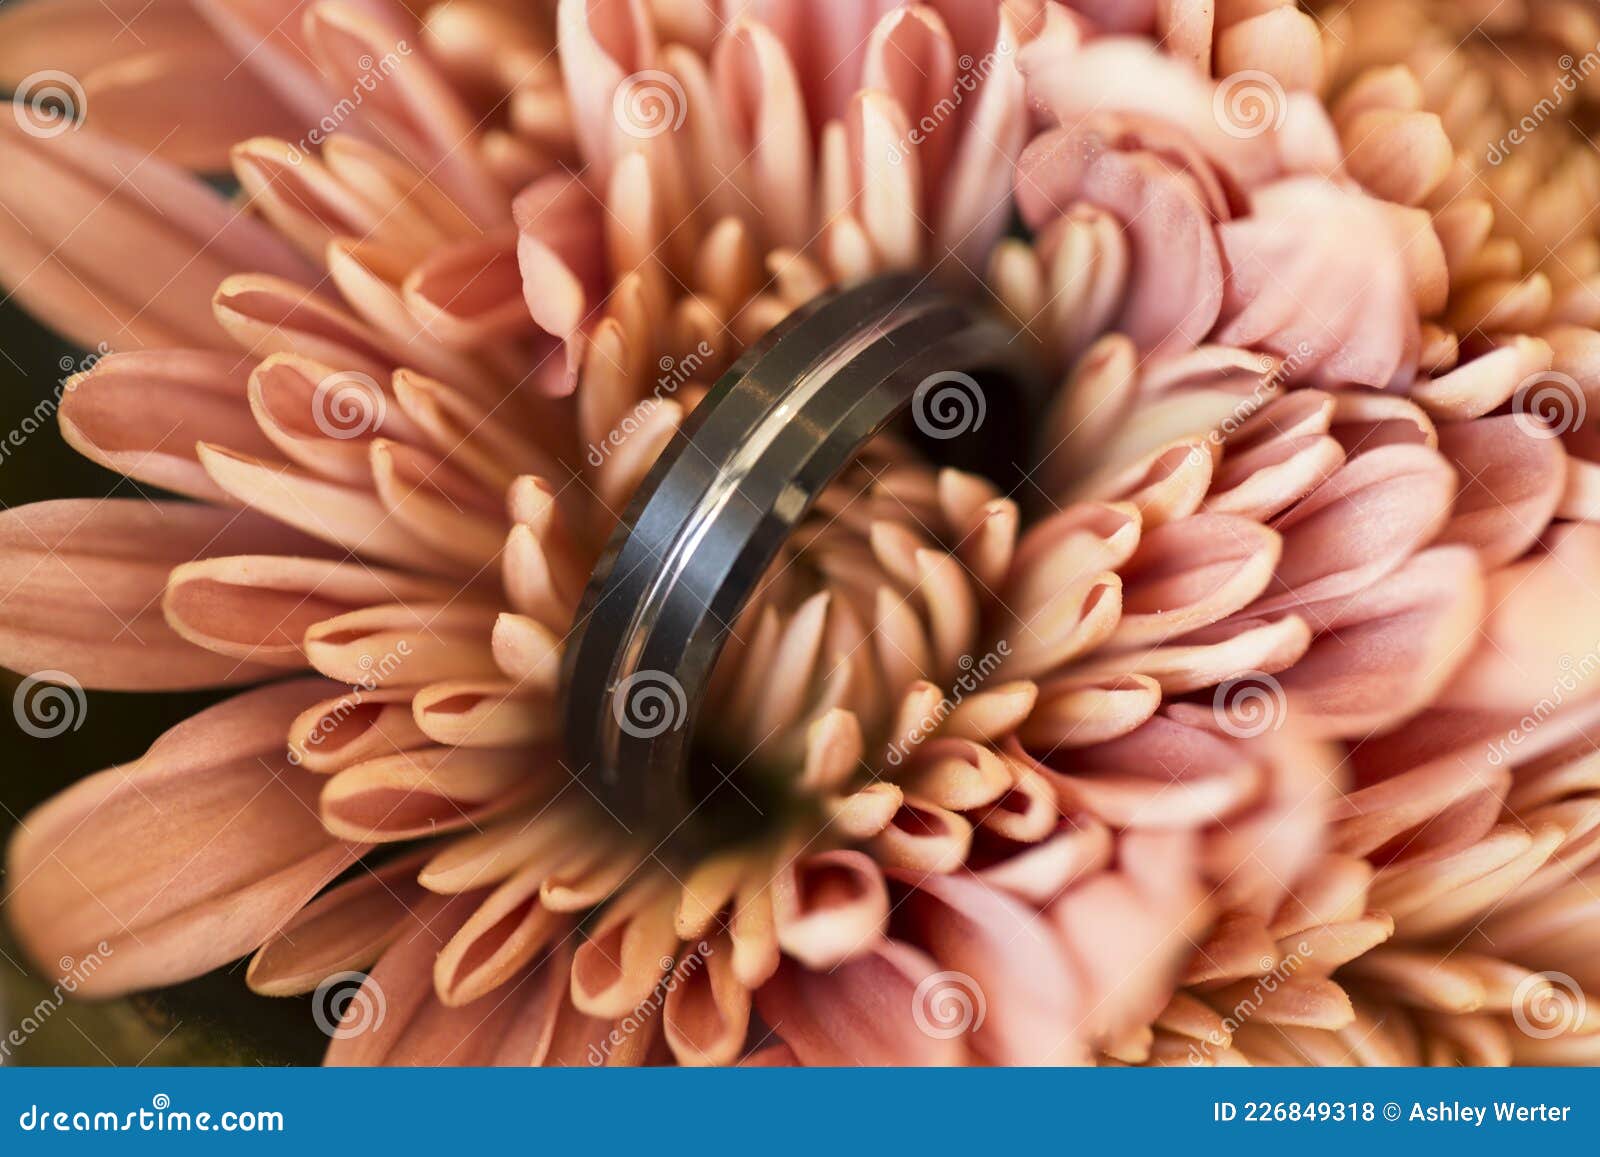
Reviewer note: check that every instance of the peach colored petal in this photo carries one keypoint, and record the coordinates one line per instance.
(353, 727)
(472, 713)
(706, 1015)
(469, 293)
(336, 514)
(413, 108)
(552, 835)
(147, 100)
(1164, 774)
(429, 791)
(267, 315)
(83, 584)
(507, 931)
(600, 43)
(829, 907)
(924, 837)
(1189, 574)
(182, 860)
(526, 1022)
(487, 443)
(1363, 421)
(109, 246)
(1210, 655)
(1127, 75)
(625, 955)
(308, 204)
(344, 929)
(1086, 708)
(257, 608)
(78, 36)
(368, 276)
(403, 644)
(760, 96)
(561, 252)
(322, 419)
(1154, 903)
(1416, 800)
(443, 512)
(1429, 897)
(140, 414)
(1039, 873)
(1484, 383)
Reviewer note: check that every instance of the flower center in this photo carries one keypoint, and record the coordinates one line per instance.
(746, 515)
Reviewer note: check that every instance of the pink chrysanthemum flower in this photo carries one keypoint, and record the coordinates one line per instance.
(1234, 686)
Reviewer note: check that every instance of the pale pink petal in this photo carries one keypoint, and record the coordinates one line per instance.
(1176, 280)
(1359, 525)
(1543, 617)
(1512, 480)
(861, 1013)
(1388, 649)
(1011, 958)
(1317, 274)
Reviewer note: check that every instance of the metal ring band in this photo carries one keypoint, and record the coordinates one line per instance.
(725, 495)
